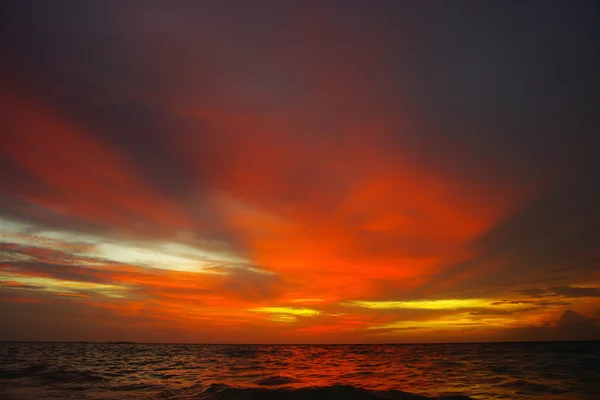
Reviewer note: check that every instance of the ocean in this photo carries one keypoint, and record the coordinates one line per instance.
(566, 370)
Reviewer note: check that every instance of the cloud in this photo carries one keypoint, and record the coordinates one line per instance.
(561, 291)
(249, 283)
(62, 287)
(505, 312)
(570, 326)
(574, 292)
(19, 285)
(57, 265)
(539, 303)
(554, 236)
(533, 292)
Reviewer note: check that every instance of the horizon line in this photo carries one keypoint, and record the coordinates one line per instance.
(300, 344)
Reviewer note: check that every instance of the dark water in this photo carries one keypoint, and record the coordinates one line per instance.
(154, 371)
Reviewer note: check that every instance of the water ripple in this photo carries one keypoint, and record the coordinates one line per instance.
(557, 371)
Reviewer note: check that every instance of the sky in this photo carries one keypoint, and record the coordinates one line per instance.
(299, 171)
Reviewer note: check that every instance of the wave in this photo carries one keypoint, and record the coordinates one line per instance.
(346, 392)
(524, 386)
(276, 380)
(51, 375)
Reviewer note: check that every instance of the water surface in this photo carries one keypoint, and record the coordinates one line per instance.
(168, 371)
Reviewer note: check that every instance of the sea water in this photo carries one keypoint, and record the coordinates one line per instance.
(567, 370)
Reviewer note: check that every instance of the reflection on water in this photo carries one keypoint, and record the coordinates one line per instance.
(482, 371)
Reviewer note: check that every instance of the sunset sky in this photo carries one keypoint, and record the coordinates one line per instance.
(299, 171)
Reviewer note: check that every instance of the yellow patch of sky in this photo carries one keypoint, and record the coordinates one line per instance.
(440, 304)
(457, 321)
(302, 312)
(283, 318)
(444, 304)
(65, 286)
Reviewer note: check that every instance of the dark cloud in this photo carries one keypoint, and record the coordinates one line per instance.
(28, 253)
(538, 303)
(533, 292)
(523, 310)
(550, 303)
(491, 84)
(575, 292)
(558, 228)
(65, 272)
(570, 326)
(38, 216)
(561, 291)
